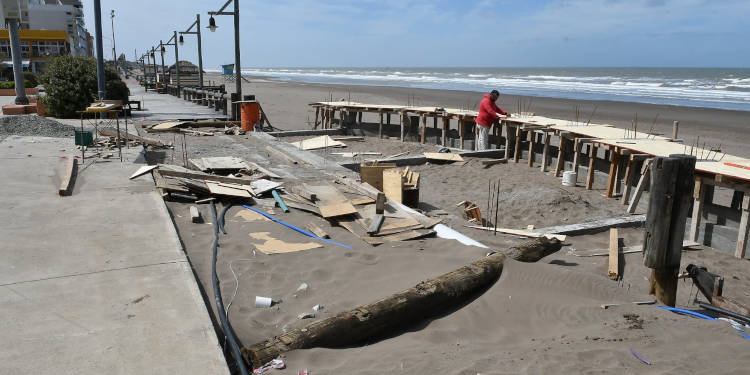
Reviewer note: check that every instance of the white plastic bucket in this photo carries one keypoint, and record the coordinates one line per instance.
(569, 178)
(263, 302)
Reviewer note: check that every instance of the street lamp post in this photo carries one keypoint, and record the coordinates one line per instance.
(153, 61)
(114, 49)
(212, 26)
(197, 32)
(102, 87)
(163, 70)
(173, 42)
(15, 52)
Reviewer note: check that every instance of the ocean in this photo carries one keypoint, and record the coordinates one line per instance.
(696, 87)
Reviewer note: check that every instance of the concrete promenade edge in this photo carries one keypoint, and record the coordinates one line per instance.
(96, 282)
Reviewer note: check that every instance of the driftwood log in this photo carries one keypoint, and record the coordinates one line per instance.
(407, 307)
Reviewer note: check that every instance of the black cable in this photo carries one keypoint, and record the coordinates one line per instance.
(217, 295)
(221, 217)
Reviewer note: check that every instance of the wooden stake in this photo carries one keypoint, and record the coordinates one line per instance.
(628, 181)
(317, 111)
(699, 194)
(614, 254)
(403, 123)
(517, 148)
(576, 154)
(545, 152)
(446, 125)
(380, 124)
(461, 131)
(675, 127)
(744, 228)
(560, 157)
(424, 128)
(532, 138)
(644, 180)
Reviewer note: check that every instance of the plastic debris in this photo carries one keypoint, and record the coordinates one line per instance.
(318, 307)
(273, 364)
(639, 357)
(305, 316)
(302, 287)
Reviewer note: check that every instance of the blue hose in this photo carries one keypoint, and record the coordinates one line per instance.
(290, 226)
(683, 311)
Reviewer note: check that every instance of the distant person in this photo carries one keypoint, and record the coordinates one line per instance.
(489, 112)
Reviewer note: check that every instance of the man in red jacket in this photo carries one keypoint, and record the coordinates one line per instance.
(488, 114)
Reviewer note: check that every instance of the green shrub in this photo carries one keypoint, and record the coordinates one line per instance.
(70, 84)
(12, 85)
(31, 79)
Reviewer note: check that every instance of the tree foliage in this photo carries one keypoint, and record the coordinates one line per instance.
(70, 84)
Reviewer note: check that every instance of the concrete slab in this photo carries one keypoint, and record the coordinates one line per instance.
(167, 107)
(95, 282)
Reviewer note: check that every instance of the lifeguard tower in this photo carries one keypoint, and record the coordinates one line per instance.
(227, 71)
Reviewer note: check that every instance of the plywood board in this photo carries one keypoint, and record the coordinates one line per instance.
(142, 170)
(393, 184)
(217, 189)
(331, 202)
(315, 143)
(447, 156)
(276, 246)
(224, 162)
(519, 232)
(261, 186)
(373, 174)
(167, 125)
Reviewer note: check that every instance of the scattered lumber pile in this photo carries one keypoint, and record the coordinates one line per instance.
(110, 140)
(402, 185)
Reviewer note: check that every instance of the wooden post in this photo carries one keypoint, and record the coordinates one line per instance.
(446, 125)
(614, 254)
(672, 180)
(380, 124)
(675, 126)
(560, 156)
(532, 139)
(435, 126)
(317, 111)
(424, 128)
(744, 228)
(628, 183)
(699, 194)
(388, 118)
(461, 131)
(576, 154)
(545, 152)
(592, 162)
(403, 123)
(507, 141)
(517, 149)
(613, 165)
(645, 177)
(359, 119)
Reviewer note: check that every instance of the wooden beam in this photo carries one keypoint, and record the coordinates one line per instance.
(545, 152)
(446, 125)
(592, 162)
(614, 254)
(435, 126)
(68, 167)
(317, 111)
(461, 131)
(403, 124)
(613, 166)
(517, 148)
(644, 180)
(204, 176)
(699, 194)
(628, 180)
(596, 225)
(576, 155)
(375, 224)
(380, 203)
(744, 229)
(560, 156)
(316, 230)
(195, 215)
(424, 128)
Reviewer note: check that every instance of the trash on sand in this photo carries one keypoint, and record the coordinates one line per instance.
(263, 301)
(318, 307)
(305, 316)
(302, 287)
(273, 364)
(639, 357)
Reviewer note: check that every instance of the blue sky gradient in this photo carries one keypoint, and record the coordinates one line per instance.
(421, 33)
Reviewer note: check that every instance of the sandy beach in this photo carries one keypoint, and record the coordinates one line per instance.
(286, 104)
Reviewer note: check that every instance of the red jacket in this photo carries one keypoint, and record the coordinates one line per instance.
(488, 112)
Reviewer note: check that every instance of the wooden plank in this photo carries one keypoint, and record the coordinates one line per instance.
(195, 215)
(520, 232)
(217, 189)
(377, 221)
(68, 168)
(331, 202)
(143, 170)
(205, 176)
(613, 166)
(169, 125)
(446, 156)
(316, 230)
(490, 162)
(532, 140)
(403, 124)
(261, 186)
(592, 162)
(373, 173)
(507, 139)
(517, 148)
(596, 225)
(623, 250)
(281, 155)
(380, 124)
(461, 131)
(644, 180)
(323, 141)
(699, 194)
(424, 129)
(576, 156)
(108, 132)
(744, 229)
(614, 254)
(444, 134)
(380, 203)
(303, 192)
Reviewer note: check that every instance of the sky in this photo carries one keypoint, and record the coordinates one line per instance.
(441, 33)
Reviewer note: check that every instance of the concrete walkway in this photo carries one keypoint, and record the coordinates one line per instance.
(96, 282)
(166, 107)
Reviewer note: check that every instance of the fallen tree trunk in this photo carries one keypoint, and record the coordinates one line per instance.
(412, 305)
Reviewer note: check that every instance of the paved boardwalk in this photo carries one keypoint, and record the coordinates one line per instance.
(96, 282)
(167, 107)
